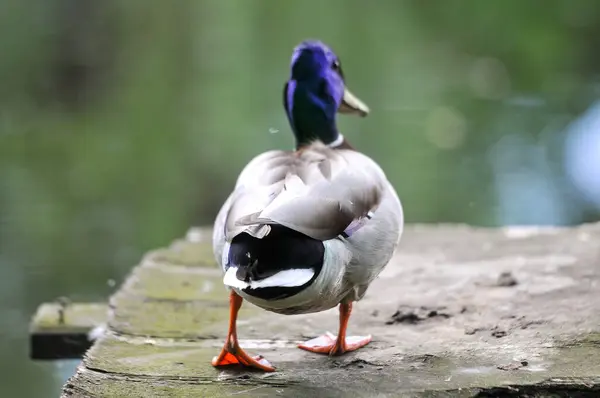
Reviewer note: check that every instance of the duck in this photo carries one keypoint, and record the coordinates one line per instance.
(307, 229)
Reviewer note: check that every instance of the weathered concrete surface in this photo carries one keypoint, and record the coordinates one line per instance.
(444, 324)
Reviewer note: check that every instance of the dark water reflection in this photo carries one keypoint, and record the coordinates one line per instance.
(118, 133)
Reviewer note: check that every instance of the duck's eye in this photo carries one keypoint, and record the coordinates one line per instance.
(335, 65)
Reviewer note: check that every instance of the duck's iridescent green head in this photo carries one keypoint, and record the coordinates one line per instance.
(314, 94)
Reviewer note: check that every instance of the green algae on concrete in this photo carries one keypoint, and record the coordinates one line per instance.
(160, 282)
(89, 383)
(151, 357)
(190, 254)
(181, 359)
(590, 339)
(142, 316)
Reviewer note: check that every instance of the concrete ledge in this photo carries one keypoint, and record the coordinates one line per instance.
(459, 312)
(64, 330)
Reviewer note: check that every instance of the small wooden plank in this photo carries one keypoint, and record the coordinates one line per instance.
(62, 330)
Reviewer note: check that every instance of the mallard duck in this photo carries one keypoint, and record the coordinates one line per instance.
(308, 229)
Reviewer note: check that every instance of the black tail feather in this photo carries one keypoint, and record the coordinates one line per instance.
(282, 249)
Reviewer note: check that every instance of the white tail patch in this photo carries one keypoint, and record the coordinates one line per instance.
(285, 278)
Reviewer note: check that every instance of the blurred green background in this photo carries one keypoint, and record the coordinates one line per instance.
(122, 123)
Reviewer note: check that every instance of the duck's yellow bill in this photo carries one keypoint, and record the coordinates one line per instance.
(352, 105)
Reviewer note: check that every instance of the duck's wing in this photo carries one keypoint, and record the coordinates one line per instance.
(317, 191)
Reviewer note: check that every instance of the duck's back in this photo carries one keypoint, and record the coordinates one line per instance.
(317, 191)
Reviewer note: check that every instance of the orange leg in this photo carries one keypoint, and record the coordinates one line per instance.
(332, 345)
(232, 353)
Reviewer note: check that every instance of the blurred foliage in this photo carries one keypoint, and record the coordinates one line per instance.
(124, 122)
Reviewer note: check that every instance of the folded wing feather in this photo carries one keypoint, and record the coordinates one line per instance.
(316, 191)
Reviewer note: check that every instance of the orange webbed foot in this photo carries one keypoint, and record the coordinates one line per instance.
(331, 345)
(227, 358)
(232, 353)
